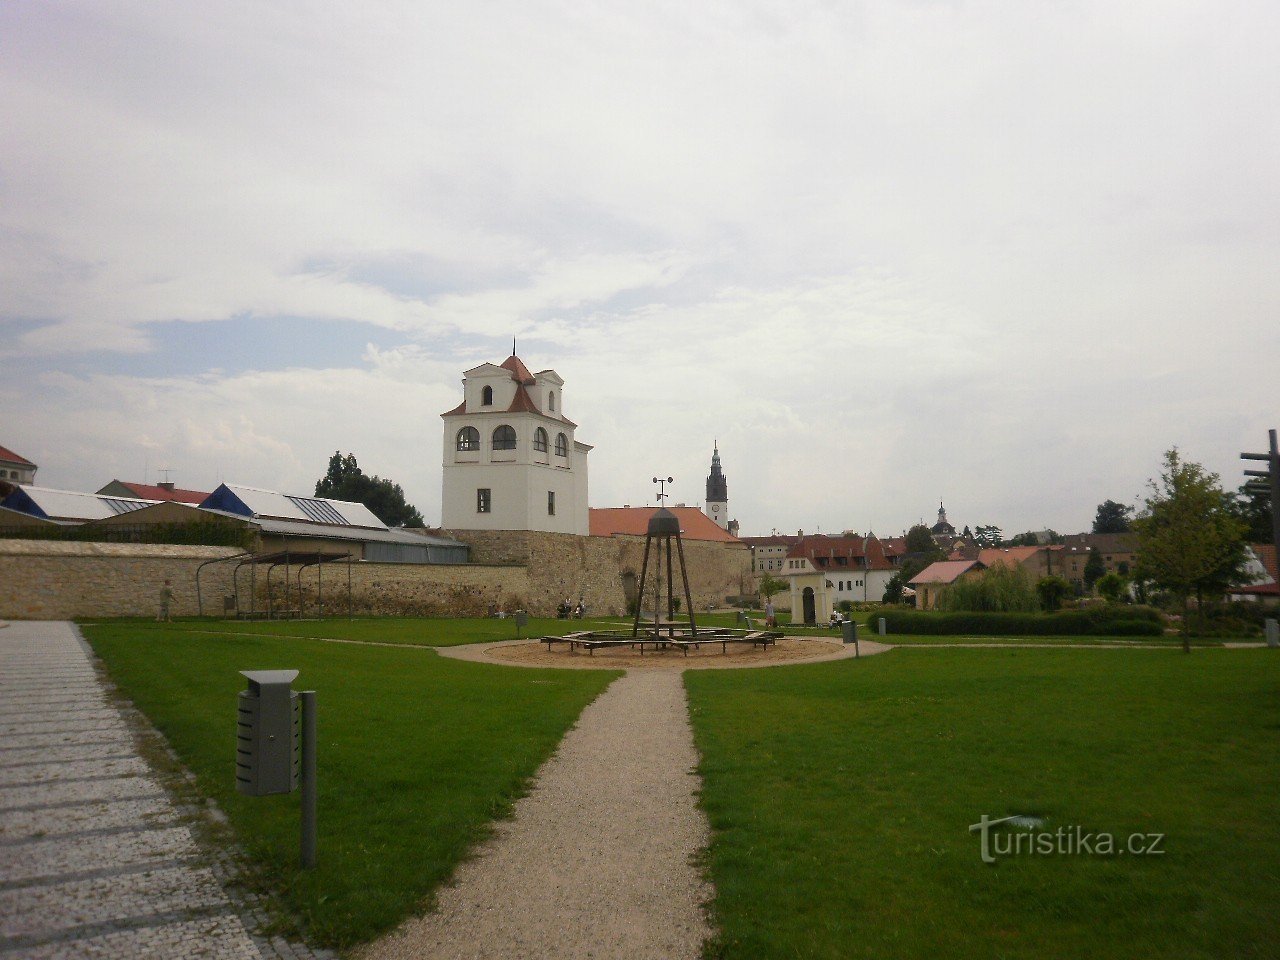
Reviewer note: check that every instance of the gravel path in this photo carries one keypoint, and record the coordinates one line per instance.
(598, 860)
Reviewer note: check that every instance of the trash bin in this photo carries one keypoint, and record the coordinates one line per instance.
(850, 630)
(267, 733)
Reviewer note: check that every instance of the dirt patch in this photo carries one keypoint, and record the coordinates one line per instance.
(710, 656)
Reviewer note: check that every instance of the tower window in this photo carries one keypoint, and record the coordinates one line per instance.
(540, 440)
(562, 445)
(484, 500)
(551, 401)
(486, 397)
(551, 503)
(468, 438)
(504, 438)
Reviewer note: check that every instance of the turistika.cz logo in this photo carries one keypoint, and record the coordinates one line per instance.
(1029, 839)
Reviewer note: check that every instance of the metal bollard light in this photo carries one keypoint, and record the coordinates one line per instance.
(276, 745)
(1273, 633)
(884, 626)
(850, 630)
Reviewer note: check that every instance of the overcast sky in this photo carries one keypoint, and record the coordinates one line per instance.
(999, 254)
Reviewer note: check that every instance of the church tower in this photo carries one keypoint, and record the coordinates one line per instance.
(718, 492)
(511, 460)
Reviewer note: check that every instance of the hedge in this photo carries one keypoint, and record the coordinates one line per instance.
(1097, 621)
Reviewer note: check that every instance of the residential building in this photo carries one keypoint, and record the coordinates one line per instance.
(769, 554)
(1119, 552)
(15, 468)
(824, 570)
(1262, 578)
(165, 490)
(511, 460)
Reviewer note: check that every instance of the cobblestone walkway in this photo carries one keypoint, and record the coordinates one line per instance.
(95, 860)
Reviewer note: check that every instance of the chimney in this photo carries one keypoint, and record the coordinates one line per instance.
(165, 485)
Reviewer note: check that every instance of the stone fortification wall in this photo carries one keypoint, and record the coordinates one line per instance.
(48, 580)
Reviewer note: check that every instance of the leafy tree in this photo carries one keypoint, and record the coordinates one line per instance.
(1190, 541)
(771, 585)
(1253, 508)
(346, 481)
(1112, 517)
(1094, 568)
(967, 534)
(1000, 588)
(920, 544)
(988, 536)
(1052, 591)
(1111, 586)
(1033, 539)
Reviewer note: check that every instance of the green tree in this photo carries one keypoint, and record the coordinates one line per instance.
(988, 536)
(770, 585)
(1094, 568)
(920, 541)
(346, 481)
(1111, 586)
(1253, 508)
(1112, 517)
(1052, 591)
(1190, 541)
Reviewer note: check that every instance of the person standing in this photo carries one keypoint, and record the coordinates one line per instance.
(166, 598)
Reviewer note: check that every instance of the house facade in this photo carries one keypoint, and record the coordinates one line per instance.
(823, 571)
(511, 460)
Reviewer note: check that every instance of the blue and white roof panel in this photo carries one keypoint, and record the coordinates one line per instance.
(256, 502)
(68, 505)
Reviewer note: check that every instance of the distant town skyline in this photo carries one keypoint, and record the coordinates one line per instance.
(998, 256)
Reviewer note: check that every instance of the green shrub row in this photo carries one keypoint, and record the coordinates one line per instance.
(1099, 621)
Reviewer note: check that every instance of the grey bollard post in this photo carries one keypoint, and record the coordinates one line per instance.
(308, 779)
(1273, 633)
(850, 631)
(884, 626)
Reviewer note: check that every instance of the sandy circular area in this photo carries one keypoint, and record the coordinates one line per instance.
(786, 650)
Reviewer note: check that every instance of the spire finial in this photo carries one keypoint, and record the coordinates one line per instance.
(513, 346)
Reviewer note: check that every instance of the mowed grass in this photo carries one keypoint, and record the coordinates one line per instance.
(407, 631)
(417, 754)
(840, 797)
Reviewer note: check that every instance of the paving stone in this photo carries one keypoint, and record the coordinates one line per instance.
(213, 938)
(74, 770)
(49, 910)
(16, 755)
(19, 825)
(42, 859)
(56, 791)
(60, 738)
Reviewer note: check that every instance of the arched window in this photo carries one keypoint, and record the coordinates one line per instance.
(562, 445)
(486, 397)
(504, 438)
(468, 438)
(551, 401)
(540, 440)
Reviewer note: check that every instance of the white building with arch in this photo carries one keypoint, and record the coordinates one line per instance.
(511, 461)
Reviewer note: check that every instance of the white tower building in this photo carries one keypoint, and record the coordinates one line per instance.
(510, 458)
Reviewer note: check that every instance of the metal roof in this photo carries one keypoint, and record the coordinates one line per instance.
(330, 531)
(268, 503)
(69, 505)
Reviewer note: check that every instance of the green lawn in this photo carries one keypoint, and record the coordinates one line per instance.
(417, 753)
(840, 797)
(411, 631)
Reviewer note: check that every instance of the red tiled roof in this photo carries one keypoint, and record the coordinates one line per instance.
(144, 491)
(519, 372)
(7, 454)
(1009, 556)
(946, 571)
(634, 522)
(818, 549)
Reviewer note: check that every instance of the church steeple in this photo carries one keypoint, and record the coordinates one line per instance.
(717, 491)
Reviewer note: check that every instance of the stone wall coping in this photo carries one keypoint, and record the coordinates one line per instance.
(76, 548)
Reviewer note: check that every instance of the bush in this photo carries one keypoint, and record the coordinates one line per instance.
(1099, 621)
(1000, 588)
(1051, 591)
